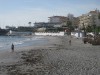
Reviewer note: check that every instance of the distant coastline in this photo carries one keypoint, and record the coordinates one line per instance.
(3, 31)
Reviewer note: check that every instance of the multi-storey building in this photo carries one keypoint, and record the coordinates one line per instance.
(60, 22)
(63, 20)
(89, 19)
(54, 21)
(57, 19)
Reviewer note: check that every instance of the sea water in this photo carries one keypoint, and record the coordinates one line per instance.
(21, 41)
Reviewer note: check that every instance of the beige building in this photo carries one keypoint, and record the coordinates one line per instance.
(63, 20)
(89, 19)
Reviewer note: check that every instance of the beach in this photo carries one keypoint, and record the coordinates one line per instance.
(57, 57)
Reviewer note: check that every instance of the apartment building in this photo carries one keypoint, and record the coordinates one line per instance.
(60, 22)
(57, 19)
(89, 19)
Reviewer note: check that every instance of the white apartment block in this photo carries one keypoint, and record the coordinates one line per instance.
(57, 19)
(89, 19)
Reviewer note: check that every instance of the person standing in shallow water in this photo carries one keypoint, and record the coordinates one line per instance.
(12, 47)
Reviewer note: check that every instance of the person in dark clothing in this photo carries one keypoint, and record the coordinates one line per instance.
(12, 47)
(69, 42)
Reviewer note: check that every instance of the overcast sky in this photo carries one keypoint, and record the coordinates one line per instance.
(20, 12)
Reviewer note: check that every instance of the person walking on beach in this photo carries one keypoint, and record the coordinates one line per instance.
(69, 42)
(12, 47)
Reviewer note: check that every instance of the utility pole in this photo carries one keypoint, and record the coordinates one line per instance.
(84, 30)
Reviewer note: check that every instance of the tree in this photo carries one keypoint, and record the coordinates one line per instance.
(29, 23)
(69, 25)
(99, 16)
(89, 29)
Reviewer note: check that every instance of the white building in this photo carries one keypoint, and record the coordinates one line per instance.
(57, 19)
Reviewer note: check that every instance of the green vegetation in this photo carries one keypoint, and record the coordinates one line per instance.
(23, 29)
(99, 16)
(69, 25)
(93, 29)
(89, 29)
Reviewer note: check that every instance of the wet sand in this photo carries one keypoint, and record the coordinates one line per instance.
(57, 57)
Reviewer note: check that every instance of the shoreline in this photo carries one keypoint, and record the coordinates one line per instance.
(25, 42)
(6, 52)
(56, 57)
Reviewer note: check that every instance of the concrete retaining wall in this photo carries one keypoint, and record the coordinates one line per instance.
(49, 34)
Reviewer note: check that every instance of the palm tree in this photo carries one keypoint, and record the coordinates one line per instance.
(29, 23)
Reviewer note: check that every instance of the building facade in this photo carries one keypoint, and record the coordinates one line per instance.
(58, 22)
(58, 19)
(89, 19)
